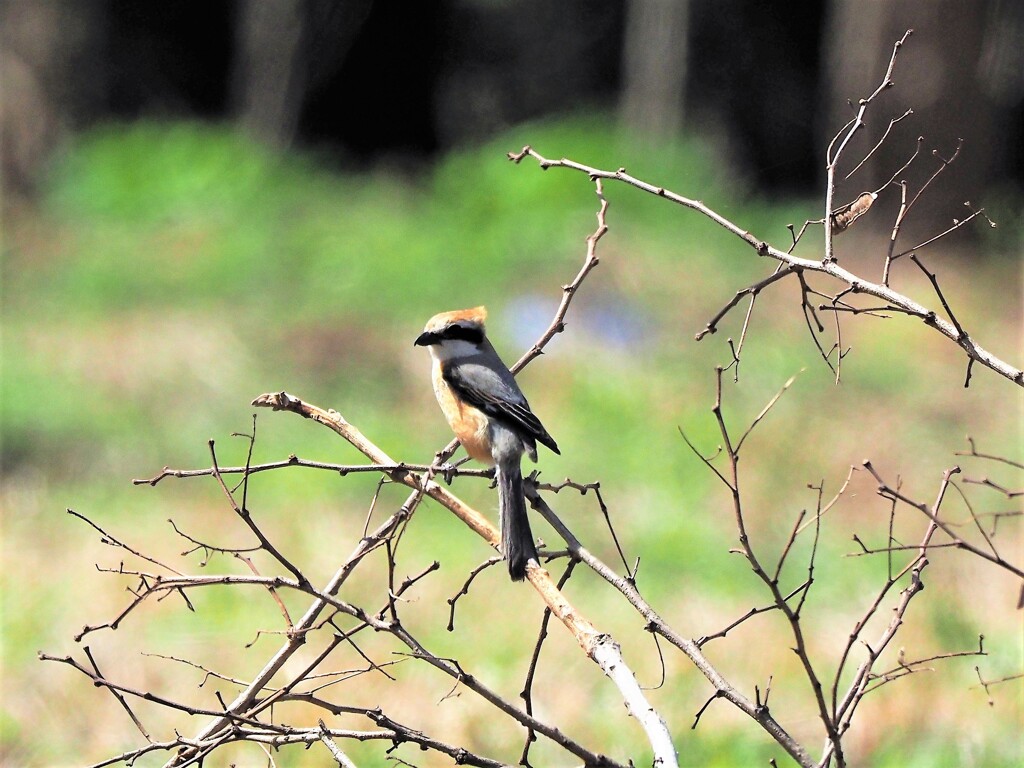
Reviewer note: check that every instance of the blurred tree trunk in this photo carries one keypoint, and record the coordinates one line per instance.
(654, 66)
(270, 72)
(285, 49)
(955, 70)
(49, 80)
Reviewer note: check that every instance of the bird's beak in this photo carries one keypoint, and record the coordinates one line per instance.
(426, 339)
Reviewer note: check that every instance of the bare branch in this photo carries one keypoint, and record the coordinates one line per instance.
(832, 158)
(826, 266)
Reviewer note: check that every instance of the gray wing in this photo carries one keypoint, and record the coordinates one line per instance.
(496, 394)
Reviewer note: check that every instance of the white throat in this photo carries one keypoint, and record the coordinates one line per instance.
(453, 349)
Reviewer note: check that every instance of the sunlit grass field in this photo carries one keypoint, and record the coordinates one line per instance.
(172, 272)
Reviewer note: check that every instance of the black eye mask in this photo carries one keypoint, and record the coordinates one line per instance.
(472, 333)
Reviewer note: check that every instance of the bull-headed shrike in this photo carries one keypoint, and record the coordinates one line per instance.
(490, 417)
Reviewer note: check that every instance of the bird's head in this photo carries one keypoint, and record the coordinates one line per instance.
(454, 334)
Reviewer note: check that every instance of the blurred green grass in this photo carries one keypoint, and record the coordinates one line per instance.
(173, 271)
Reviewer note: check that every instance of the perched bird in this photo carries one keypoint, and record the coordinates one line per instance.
(490, 417)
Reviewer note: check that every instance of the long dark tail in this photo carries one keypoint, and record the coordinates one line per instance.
(516, 537)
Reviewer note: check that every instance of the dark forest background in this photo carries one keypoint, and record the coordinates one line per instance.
(364, 81)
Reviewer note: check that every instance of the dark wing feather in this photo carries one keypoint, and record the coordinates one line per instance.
(498, 396)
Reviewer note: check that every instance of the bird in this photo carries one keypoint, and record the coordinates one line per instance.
(489, 415)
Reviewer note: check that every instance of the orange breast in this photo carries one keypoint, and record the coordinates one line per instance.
(468, 423)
